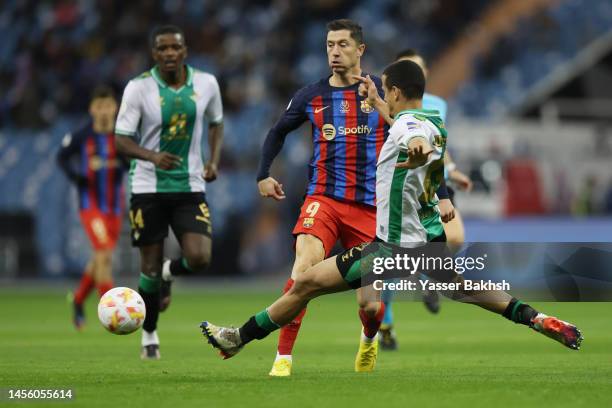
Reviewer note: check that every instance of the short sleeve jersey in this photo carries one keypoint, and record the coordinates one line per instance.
(406, 206)
(162, 118)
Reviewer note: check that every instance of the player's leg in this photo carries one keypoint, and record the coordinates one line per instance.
(151, 257)
(103, 261)
(358, 225)
(319, 280)
(316, 233)
(386, 333)
(309, 251)
(197, 250)
(191, 223)
(96, 230)
(504, 304)
(103, 254)
(455, 233)
(86, 285)
(149, 219)
(371, 312)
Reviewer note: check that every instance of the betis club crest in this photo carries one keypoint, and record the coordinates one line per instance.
(366, 107)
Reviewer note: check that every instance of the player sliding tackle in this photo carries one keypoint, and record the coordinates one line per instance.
(405, 184)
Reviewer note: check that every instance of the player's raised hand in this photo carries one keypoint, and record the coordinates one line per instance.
(210, 172)
(367, 88)
(416, 158)
(447, 210)
(165, 160)
(269, 187)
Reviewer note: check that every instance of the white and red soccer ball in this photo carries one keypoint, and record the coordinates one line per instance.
(121, 310)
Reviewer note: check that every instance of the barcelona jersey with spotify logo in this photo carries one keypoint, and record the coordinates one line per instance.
(347, 136)
(165, 119)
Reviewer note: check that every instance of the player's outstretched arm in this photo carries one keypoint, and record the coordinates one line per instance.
(126, 146)
(418, 154)
(215, 141)
(367, 89)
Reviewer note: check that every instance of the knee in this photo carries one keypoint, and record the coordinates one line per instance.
(306, 286)
(309, 251)
(199, 261)
(103, 258)
(305, 260)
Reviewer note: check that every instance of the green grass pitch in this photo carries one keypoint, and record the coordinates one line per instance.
(464, 357)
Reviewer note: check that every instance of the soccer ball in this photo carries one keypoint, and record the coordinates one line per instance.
(121, 310)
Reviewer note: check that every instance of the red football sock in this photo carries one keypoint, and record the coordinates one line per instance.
(85, 286)
(104, 287)
(372, 324)
(288, 333)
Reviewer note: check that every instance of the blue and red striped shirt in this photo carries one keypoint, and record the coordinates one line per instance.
(347, 137)
(90, 160)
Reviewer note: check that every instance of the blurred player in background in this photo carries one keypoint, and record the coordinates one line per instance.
(340, 200)
(409, 169)
(160, 126)
(453, 226)
(89, 159)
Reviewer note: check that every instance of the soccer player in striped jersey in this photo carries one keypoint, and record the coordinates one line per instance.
(408, 222)
(347, 136)
(89, 159)
(160, 125)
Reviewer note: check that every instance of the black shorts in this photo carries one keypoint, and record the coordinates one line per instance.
(152, 213)
(356, 265)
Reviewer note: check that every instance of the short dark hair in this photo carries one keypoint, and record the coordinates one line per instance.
(165, 29)
(102, 91)
(408, 77)
(408, 53)
(350, 25)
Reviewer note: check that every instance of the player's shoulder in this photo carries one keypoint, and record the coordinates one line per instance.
(81, 132)
(142, 78)
(305, 94)
(202, 76)
(310, 90)
(410, 122)
(139, 82)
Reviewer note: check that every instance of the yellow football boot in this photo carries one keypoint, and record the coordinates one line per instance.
(281, 368)
(366, 355)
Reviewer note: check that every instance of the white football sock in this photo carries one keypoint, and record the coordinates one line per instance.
(367, 339)
(285, 356)
(149, 338)
(166, 274)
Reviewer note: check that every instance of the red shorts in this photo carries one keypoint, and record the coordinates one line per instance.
(332, 220)
(102, 229)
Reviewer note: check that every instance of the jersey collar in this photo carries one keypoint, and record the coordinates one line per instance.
(156, 75)
(426, 112)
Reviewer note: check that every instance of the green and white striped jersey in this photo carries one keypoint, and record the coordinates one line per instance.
(172, 120)
(406, 201)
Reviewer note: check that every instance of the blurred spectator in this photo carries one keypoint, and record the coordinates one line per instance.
(584, 203)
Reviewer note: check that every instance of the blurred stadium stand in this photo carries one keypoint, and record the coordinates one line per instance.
(262, 51)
